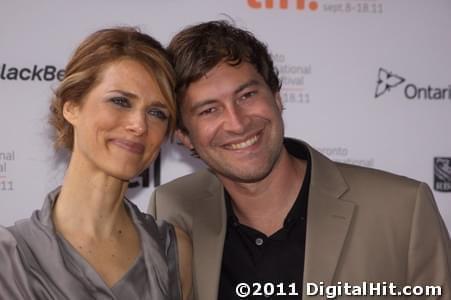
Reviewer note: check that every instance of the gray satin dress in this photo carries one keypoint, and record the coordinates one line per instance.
(38, 263)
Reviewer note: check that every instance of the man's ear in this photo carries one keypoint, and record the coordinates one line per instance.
(70, 112)
(278, 101)
(184, 138)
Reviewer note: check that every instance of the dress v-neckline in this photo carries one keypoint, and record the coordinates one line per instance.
(79, 262)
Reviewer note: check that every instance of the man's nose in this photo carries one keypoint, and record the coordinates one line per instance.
(235, 120)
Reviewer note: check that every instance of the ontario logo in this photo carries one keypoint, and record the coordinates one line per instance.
(283, 4)
(442, 174)
(387, 81)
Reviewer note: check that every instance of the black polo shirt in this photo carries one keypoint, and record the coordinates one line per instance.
(252, 257)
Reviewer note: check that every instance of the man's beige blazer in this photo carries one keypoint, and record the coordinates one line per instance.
(362, 225)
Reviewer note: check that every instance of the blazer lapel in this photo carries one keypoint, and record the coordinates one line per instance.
(209, 227)
(328, 220)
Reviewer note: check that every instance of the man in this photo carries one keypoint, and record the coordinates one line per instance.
(272, 211)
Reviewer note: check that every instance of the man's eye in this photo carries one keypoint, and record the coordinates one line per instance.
(158, 114)
(121, 101)
(207, 111)
(248, 95)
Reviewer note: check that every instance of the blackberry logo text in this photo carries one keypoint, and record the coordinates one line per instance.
(34, 73)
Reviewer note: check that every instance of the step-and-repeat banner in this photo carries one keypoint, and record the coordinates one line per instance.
(367, 82)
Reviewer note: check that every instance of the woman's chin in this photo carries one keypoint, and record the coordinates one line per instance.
(125, 175)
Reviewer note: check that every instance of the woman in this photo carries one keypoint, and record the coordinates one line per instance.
(113, 110)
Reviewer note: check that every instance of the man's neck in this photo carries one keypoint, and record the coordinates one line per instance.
(263, 205)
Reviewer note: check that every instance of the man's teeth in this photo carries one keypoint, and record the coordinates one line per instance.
(244, 144)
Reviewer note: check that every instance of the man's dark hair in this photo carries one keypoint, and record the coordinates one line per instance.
(197, 49)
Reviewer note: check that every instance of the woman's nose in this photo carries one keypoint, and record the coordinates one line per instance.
(137, 123)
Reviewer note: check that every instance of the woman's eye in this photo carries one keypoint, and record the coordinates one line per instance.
(121, 101)
(158, 113)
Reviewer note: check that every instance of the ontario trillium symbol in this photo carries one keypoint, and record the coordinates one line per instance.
(385, 81)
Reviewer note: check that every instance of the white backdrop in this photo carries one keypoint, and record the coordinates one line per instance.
(333, 56)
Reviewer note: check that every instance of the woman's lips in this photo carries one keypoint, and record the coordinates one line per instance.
(133, 147)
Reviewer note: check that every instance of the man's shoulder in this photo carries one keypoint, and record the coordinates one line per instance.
(354, 174)
(195, 185)
(177, 200)
(375, 188)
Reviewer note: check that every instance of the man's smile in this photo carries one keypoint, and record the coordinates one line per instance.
(241, 145)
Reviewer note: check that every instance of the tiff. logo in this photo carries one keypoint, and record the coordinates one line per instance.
(283, 4)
